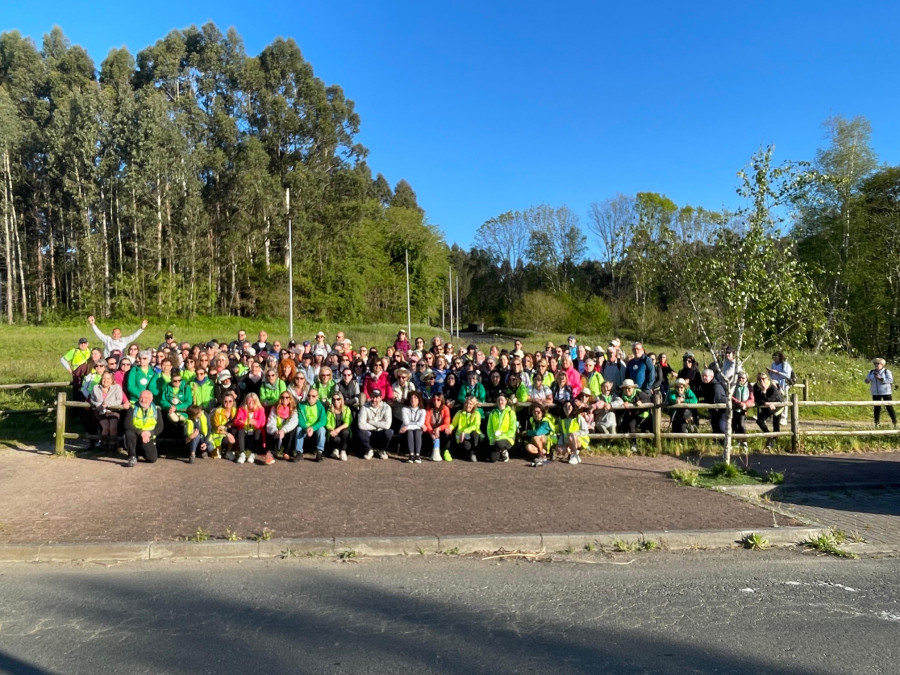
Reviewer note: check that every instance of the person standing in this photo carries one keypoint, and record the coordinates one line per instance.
(76, 356)
(881, 383)
(115, 341)
(782, 376)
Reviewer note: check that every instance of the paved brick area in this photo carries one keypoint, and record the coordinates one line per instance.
(48, 499)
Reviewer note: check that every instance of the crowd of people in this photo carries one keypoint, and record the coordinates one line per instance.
(256, 401)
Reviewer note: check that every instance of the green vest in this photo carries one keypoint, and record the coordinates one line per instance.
(144, 420)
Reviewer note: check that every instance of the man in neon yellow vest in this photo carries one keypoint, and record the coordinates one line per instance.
(142, 424)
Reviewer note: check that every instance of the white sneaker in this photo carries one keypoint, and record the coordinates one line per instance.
(473, 457)
(343, 455)
(241, 458)
(369, 454)
(335, 454)
(382, 454)
(436, 455)
(252, 458)
(574, 459)
(504, 455)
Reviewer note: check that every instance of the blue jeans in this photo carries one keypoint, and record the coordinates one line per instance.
(303, 439)
(196, 442)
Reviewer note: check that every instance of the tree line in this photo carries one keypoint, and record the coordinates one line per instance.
(157, 184)
(810, 259)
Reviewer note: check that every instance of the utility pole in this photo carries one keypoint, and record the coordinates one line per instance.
(290, 265)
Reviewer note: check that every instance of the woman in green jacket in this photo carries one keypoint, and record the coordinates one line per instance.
(466, 426)
(501, 429)
(337, 426)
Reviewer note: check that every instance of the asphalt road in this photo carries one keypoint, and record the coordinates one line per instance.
(737, 611)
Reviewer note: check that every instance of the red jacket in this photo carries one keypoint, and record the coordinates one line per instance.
(444, 426)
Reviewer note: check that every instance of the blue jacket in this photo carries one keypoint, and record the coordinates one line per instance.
(641, 370)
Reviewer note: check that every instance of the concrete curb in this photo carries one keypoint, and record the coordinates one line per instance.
(385, 546)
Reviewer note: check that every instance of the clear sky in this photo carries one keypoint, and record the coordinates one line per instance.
(496, 105)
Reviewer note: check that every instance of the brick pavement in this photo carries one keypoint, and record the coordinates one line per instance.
(48, 499)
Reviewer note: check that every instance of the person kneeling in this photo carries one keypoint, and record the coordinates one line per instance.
(142, 424)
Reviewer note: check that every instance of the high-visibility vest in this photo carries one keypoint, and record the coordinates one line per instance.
(202, 425)
(144, 420)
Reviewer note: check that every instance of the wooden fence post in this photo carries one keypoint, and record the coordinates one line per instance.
(60, 423)
(657, 421)
(805, 388)
(795, 423)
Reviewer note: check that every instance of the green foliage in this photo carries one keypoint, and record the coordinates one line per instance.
(689, 477)
(826, 543)
(755, 542)
(724, 470)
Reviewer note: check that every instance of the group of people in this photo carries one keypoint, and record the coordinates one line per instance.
(258, 401)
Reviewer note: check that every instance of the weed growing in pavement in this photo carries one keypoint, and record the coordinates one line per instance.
(755, 542)
(774, 477)
(420, 550)
(265, 535)
(200, 535)
(622, 546)
(649, 545)
(590, 548)
(689, 477)
(568, 550)
(452, 551)
(289, 553)
(856, 537)
(347, 555)
(231, 536)
(826, 543)
(839, 536)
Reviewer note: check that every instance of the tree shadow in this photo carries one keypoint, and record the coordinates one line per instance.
(311, 622)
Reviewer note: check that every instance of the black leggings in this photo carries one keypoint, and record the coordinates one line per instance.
(890, 408)
(339, 442)
(251, 441)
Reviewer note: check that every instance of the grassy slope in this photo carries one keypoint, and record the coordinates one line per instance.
(33, 355)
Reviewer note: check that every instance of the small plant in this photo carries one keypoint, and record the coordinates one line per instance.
(774, 477)
(755, 542)
(265, 535)
(568, 550)
(200, 535)
(420, 550)
(825, 543)
(289, 553)
(649, 545)
(689, 477)
(452, 551)
(724, 470)
(347, 555)
(856, 538)
(231, 536)
(590, 548)
(839, 536)
(622, 546)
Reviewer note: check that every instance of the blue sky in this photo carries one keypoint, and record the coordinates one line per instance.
(486, 107)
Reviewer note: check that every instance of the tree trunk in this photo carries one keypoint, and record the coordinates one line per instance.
(107, 305)
(7, 246)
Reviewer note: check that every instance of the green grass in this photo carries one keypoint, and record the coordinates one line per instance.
(721, 474)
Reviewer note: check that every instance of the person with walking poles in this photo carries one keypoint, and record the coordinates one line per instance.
(881, 383)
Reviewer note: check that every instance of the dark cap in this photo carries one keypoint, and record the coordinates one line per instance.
(169, 335)
(83, 341)
(211, 344)
(376, 392)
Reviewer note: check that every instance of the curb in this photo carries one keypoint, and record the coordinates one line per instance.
(387, 546)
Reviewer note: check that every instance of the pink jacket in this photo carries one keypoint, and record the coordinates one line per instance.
(574, 378)
(242, 420)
